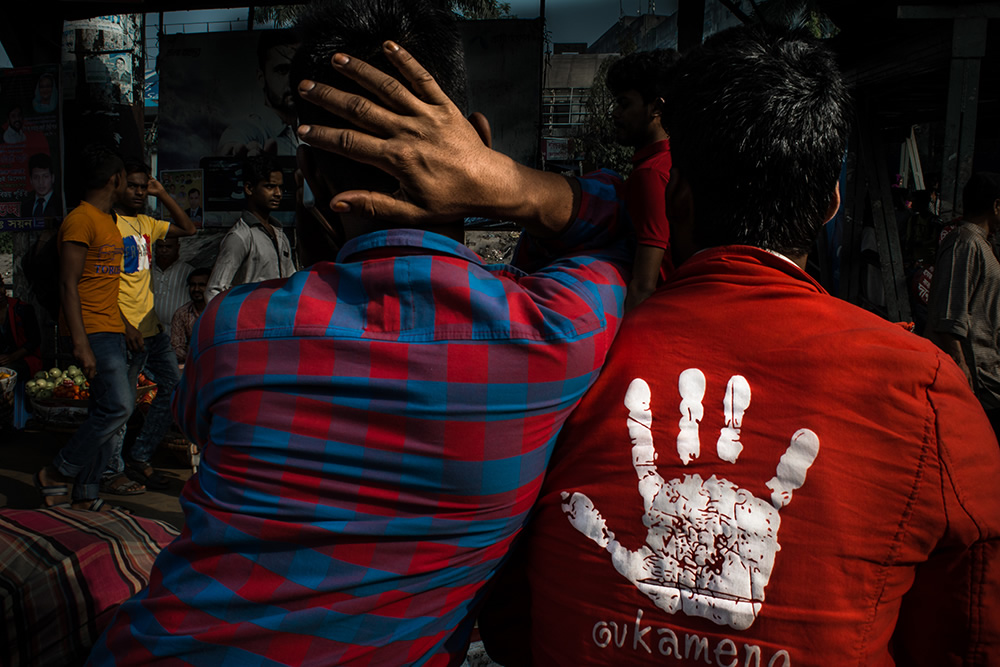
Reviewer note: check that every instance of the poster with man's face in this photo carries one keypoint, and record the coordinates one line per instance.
(30, 187)
(226, 96)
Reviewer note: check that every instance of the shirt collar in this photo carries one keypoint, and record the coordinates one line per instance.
(251, 220)
(405, 238)
(646, 152)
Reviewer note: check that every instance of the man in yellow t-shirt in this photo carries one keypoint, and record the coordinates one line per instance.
(135, 298)
(90, 252)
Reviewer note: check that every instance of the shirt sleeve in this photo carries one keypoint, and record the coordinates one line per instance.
(178, 335)
(955, 270)
(158, 229)
(645, 199)
(951, 614)
(76, 229)
(232, 253)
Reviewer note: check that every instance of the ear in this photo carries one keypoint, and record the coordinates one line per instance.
(834, 205)
(657, 108)
(482, 126)
(680, 215)
(247, 188)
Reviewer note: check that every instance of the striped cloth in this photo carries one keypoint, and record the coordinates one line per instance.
(62, 575)
(170, 290)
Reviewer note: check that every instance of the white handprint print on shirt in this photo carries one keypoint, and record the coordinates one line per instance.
(710, 545)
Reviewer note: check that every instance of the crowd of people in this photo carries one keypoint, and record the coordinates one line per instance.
(400, 440)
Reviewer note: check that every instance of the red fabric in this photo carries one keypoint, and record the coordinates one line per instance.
(897, 521)
(645, 192)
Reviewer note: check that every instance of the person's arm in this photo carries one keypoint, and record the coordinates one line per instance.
(444, 169)
(178, 336)
(951, 344)
(133, 338)
(645, 275)
(182, 225)
(72, 257)
(232, 253)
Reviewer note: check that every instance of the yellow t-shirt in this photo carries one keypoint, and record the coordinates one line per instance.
(98, 286)
(135, 295)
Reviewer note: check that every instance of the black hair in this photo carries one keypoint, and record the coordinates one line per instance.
(259, 168)
(758, 121)
(39, 161)
(202, 271)
(980, 193)
(137, 167)
(196, 190)
(646, 72)
(98, 163)
(269, 39)
(359, 28)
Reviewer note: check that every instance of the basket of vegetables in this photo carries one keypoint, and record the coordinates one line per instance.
(58, 394)
(8, 380)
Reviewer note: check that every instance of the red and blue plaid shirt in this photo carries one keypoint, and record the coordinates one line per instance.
(375, 431)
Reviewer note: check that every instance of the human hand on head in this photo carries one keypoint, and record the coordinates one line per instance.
(444, 168)
(710, 545)
(155, 189)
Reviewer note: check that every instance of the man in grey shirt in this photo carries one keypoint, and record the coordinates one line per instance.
(255, 248)
(963, 316)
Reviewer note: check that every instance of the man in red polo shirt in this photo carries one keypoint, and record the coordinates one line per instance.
(638, 81)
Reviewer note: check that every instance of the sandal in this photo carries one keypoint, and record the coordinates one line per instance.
(52, 491)
(121, 485)
(98, 505)
(154, 479)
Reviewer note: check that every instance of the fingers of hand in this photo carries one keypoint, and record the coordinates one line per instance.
(423, 83)
(793, 466)
(381, 206)
(734, 405)
(386, 88)
(691, 386)
(351, 144)
(585, 518)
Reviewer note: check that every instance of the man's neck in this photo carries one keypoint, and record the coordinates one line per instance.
(199, 306)
(121, 210)
(981, 221)
(163, 267)
(102, 200)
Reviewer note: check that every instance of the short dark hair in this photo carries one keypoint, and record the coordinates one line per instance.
(359, 28)
(271, 38)
(137, 167)
(758, 121)
(646, 72)
(197, 273)
(259, 168)
(979, 193)
(39, 161)
(98, 163)
(195, 190)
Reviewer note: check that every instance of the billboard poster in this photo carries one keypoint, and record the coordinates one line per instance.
(30, 170)
(224, 96)
(187, 188)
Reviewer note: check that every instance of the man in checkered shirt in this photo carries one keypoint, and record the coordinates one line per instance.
(376, 428)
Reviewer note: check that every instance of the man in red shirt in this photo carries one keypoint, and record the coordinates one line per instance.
(638, 81)
(764, 474)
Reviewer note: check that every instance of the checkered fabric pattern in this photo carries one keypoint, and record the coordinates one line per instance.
(375, 431)
(63, 573)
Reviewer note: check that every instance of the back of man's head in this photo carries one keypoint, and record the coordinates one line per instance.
(98, 163)
(980, 194)
(359, 28)
(758, 122)
(645, 72)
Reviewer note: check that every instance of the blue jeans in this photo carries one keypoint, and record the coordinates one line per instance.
(111, 402)
(158, 356)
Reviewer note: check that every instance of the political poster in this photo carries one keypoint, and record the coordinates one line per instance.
(30, 170)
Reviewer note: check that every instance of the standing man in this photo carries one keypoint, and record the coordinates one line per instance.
(182, 326)
(43, 201)
(963, 309)
(272, 128)
(375, 428)
(90, 260)
(135, 298)
(638, 82)
(254, 248)
(169, 279)
(763, 473)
